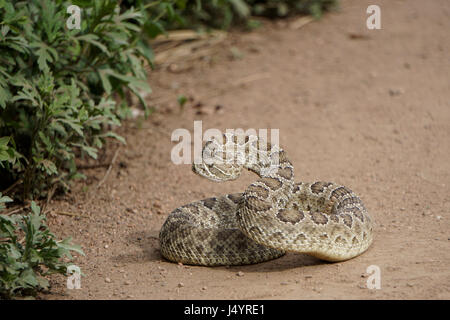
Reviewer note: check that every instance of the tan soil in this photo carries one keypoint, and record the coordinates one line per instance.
(369, 109)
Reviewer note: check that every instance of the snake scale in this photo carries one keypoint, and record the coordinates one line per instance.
(273, 215)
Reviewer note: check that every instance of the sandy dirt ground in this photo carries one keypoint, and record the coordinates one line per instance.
(369, 109)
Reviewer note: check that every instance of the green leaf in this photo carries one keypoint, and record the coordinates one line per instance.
(35, 208)
(28, 277)
(4, 142)
(92, 152)
(5, 96)
(105, 81)
(181, 100)
(4, 156)
(152, 29)
(45, 55)
(115, 136)
(241, 7)
(93, 39)
(5, 199)
(67, 245)
(75, 126)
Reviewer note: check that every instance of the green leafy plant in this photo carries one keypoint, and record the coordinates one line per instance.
(222, 13)
(282, 8)
(57, 86)
(29, 252)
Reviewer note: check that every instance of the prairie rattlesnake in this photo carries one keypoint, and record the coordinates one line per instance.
(272, 216)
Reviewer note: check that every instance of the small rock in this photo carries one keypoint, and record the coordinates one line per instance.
(284, 283)
(204, 288)
(308, 277)
(240, 274)
(173, 67)
(410, 285)
(107, 280)
(181, 285)
(157, 204)
(128, 282)
(395, 92)
(202, 112)
(131, 210)
(106, 246)
(438, 217)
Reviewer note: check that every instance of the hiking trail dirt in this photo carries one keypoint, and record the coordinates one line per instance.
(369, 109)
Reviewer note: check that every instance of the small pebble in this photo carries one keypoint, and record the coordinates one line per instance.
(181, 285)
(396, 92)
(157, 205)
(131, 210)
(128, 282)
(204, 288)
(438, 217)
(108, 280)
(240, 274)
(106, 246)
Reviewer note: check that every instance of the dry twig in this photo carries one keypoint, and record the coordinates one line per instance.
(113, 161)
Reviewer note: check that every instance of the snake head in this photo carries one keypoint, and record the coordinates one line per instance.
(216, 164)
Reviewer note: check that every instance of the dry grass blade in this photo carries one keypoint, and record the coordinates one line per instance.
(180, 35)
(189, 47)
(109, 168)
(300, 22)
(70, 214)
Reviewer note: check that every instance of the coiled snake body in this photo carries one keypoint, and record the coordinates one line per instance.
(272, 216)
